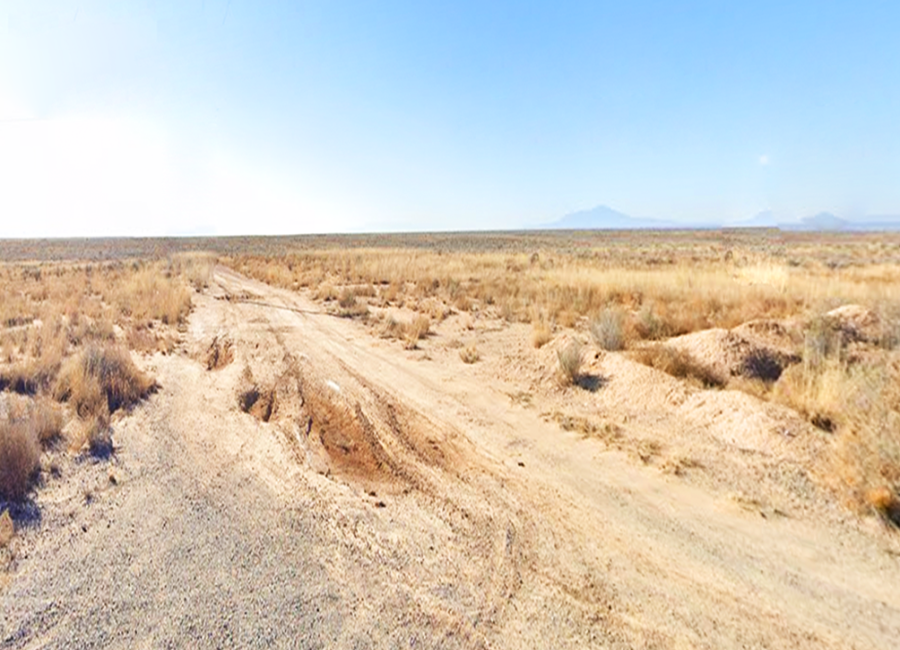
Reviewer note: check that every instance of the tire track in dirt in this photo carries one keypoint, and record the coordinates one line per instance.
(614, 543)
(388, 446)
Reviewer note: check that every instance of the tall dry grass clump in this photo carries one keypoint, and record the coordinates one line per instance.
(570, 359)
(608, 330)
(867, 450)
(541, 330)
(818, 385)
(19, 457)
(101, 379)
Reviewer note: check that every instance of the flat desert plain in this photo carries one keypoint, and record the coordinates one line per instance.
(488, 440)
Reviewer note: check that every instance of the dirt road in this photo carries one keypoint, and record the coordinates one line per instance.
(371, 497)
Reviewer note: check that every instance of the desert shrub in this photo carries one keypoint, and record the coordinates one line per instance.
(816, 389)
(608, 330)
(101, 378)
(347, 299)
(677, 363)
(822, 340)
(19, 458)
(570, 359)
(649, 325)
(410, 332)
(469, 354)
(418, 328)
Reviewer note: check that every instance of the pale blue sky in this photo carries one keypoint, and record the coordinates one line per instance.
(126, 118)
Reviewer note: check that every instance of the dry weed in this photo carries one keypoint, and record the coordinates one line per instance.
(570, 359)
(867, 448)
(677, 363)
(541, 333)
(608, 330)
(19, 459)
(101, 378)
(469, 354)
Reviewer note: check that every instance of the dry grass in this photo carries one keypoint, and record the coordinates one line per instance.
(677, 363)
(101, 379)
(686, 294)
(857, 402)
(541, 332)
(65, 331)
(45, 419)
(608, 330)
(867, 452)
(20, 454)
(409, 332)
(469, 354)
(570, 359)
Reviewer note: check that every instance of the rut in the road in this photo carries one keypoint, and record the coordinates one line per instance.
(363, 436)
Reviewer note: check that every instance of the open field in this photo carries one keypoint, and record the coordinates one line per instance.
(654, 439)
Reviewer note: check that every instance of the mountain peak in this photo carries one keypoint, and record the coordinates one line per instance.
(603, 217)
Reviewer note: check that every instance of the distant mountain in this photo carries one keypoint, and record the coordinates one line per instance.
(821, 221)
(605, 218)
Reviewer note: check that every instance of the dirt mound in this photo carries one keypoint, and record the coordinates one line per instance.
(855, 323)
(742, 420)
(726, 354)
(626, 378)
(782, 335)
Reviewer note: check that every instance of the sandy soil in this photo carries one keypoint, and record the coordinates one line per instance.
(373, 496)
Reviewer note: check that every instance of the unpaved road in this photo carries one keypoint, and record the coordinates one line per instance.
(390, 501)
